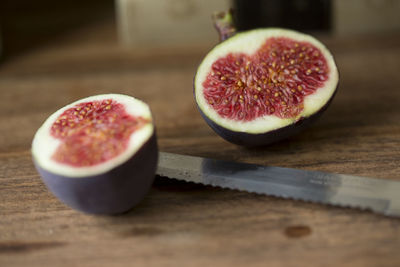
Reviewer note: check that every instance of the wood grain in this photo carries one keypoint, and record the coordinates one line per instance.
(180, 224)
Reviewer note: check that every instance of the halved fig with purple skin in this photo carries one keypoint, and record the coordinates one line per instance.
(260, 86)
(98, 154)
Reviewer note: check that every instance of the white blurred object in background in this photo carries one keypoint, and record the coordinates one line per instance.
(167, 22)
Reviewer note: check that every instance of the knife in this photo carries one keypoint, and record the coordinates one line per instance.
(378, 195)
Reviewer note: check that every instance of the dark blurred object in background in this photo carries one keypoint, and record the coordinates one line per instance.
(302, 15)
(25, 24)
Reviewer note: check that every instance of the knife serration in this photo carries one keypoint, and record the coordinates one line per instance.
(379, 195)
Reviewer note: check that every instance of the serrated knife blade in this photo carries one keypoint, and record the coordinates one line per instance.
(379, 195)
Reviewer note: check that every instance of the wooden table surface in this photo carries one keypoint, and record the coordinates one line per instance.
(180, 224)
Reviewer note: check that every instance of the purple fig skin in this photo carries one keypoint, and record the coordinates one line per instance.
(267, 138)
(113, 192)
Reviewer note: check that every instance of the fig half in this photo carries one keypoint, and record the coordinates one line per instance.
(98, 154)
(260, 86)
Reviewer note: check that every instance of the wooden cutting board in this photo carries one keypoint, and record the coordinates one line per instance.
(181, 224)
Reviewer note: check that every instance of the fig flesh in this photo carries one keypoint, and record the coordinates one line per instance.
(98, 154)
(263, 85)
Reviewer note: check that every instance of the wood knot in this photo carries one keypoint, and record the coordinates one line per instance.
(297, 231)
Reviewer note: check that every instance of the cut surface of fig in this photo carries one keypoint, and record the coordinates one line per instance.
(92, 135)
(94, 132)
(264, 80)
(98, 154)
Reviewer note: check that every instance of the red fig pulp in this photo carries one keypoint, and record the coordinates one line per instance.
(252, 86)
(93, 132)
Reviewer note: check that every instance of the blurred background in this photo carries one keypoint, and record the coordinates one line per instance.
(25, 25)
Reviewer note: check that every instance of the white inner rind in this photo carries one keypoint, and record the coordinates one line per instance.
(44, 144)
(248, 43)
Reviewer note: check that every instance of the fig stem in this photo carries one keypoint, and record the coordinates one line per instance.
(223, 22)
